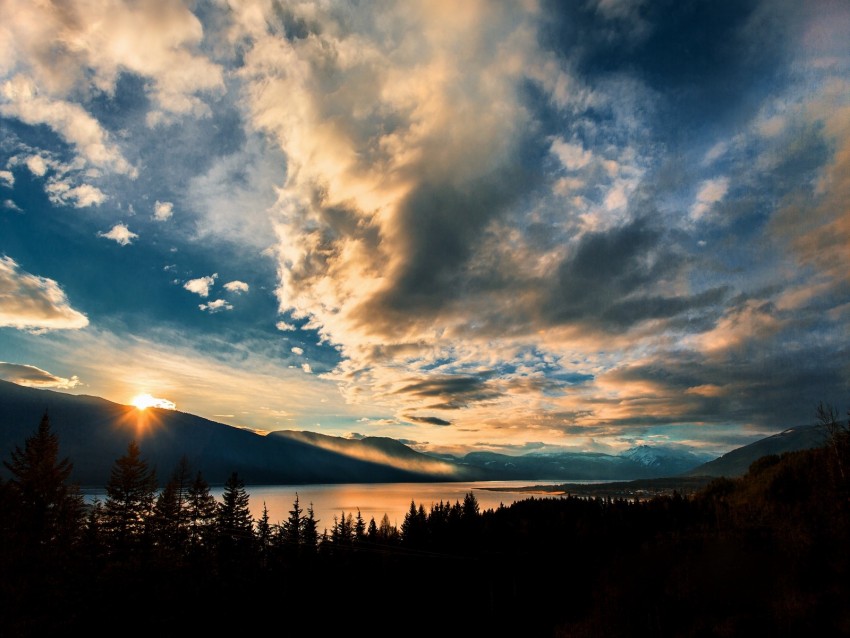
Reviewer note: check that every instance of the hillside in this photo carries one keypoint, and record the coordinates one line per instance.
(738, 461)
(93, 432)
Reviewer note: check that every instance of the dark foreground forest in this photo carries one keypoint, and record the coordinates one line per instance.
(766, 554)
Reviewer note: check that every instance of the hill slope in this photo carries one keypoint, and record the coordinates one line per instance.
(94, 432)
(736, 462)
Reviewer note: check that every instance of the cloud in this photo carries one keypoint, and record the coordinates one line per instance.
(162, 211)
(7, 179)
(283, 326)
(11, 205)
(297, 350)
(37, 165)
(62, 192)
(30, 302)
(33, 377)
(572, 156)
(215, 306)
(23, 100)
(120, 234)
(430, 420)
(201, 286)
(236, 286)
(307, 368)
(157, 41)
(710, 193)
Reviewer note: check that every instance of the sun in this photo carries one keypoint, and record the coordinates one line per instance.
(145, 400)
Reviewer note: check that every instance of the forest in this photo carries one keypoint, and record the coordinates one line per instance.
(766, 554)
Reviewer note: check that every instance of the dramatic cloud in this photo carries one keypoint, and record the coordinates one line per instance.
(572, 224)
(236, 287)
(23, 100)
(162, 211)
(30, 302)
(201, 286)
(34, 377)
(119, 233)
(215, 306)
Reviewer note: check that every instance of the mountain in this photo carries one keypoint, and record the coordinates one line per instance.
(379, 449)
(665, 461)
(736, 462)
(94, 432)
(640, 462)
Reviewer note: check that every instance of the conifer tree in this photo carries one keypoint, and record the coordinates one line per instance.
(293, 528)
(264, 534)
(49, 509)
(170, 514)
(129, 500)
(310, 535)
(201, 514)
(234, 523)
(359, 528)
(372, 531)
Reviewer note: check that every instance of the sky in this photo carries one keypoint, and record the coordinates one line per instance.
(516, 226)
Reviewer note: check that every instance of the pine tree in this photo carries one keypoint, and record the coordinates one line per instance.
(170, 513)
(293, 528)
(129, 500)
(49, 509)
(200, 514)
(359, 528)
(234, 523)
(264, 535)
(372, 531)
(310, 535)
(470, 506)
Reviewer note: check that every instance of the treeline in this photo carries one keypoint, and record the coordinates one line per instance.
(764, 554)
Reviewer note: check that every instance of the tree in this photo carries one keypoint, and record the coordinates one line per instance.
(170, 513)
(310, 535)
(49, 509)
(413, 528)
(372, 531)
(359, 528)
(129, 500)
(293, 528)
(200, 514)
(470, 507)
(234, 523)
(264, 534)
(387, 532)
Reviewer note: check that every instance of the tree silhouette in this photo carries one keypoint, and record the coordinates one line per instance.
(359, 528)
(293, 527)
(200, 515)
(49, 509)
(311, 531)
(129, 500)
(234, 523)
(170, 513)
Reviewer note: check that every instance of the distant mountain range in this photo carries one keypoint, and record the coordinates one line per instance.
(94, 432)
(736, 462)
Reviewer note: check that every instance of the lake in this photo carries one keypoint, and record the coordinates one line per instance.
(373, 500)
